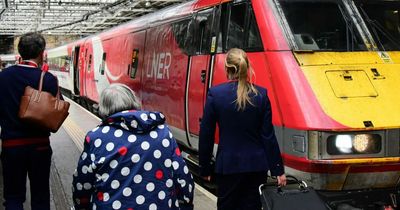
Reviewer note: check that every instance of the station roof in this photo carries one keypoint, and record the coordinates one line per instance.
(72, 17)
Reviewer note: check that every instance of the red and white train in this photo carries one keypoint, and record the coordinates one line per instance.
(331, 68)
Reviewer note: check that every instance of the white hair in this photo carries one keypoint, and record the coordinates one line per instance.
(116, 98)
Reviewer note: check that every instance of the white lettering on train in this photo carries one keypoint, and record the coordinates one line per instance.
(159, 68)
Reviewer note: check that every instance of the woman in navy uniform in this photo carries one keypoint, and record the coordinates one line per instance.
(247, 146)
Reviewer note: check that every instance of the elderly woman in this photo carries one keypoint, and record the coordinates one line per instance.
(131, 161)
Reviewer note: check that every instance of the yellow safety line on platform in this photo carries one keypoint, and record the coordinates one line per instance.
(76, 134)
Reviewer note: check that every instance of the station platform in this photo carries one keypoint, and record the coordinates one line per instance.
(67, 145)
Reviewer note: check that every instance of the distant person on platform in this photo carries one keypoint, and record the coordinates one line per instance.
(131, 160)
(45, 66)
(247, 146)
(25, 149)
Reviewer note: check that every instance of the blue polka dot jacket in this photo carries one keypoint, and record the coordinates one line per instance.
(132, 162)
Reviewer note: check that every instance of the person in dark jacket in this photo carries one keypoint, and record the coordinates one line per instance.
(25, 148)
(131, 160)
(247, 146)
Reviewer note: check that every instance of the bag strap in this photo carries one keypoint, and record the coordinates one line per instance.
(41, 81)
(58, 89)
(41, 85)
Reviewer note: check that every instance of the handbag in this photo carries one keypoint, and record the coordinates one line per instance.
(284, 198)
(42, 109)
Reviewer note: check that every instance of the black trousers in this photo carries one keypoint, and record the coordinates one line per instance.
(239, 191)
(20, 161)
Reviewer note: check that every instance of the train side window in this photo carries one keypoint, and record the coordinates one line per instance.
(89, 63)
(204, 20)
(103, 64)
(134, 63)
(183, 34)
(236, 26)
(254, 39)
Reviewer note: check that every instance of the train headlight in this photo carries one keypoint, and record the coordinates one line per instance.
(354, 144)
(343, 143)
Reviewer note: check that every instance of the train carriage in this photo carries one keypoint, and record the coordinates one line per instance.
(331, 68)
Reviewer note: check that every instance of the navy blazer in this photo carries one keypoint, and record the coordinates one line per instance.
(247, 141)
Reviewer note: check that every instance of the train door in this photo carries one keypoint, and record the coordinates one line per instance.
(86, 68)
(75, 70)
(200, 64)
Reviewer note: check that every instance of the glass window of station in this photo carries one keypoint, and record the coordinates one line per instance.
(383, 21)
(321, 26)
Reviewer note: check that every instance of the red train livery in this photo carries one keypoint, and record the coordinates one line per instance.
(331, 69)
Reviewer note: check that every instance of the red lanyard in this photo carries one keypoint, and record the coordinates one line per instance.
(29, 63)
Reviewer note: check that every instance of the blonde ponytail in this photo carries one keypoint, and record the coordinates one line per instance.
(238, 67)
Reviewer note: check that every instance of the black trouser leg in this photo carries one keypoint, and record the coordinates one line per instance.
(240, 191)
(39, 176)
(14, 177)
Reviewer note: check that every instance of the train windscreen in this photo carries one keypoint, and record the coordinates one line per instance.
(383, 21)
(321, 26)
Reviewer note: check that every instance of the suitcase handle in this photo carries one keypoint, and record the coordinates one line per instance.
(302, 184)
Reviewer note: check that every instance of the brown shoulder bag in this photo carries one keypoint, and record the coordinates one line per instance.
(42, 109)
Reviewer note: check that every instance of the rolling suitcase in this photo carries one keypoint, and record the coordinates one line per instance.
(295, 196)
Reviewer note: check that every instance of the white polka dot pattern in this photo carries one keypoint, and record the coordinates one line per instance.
(147, 166)
(153, 206)
(169, 183)
(84, 169)
(153, 116)
(113, 164)
(175, 164)
(165, 143)
(87, 186)
(150, 187)
(116, 204)
(167, 163)
(144, 117)
(137, 179)
(157, 154)
(97, 143)
(135, 158)
(84, 155)
(127, 191)
(101, 160)
(153, 134)
(123, 125)
(125, 171)
(104, 177)
(79, 186)
(115, 184)
(110, 146)
(134, 124)
(118, 133)
(105, 129)
(132, 138)
(92, 157)
(106, 197)
(145, 145)
(161, 195)
(140, 199)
